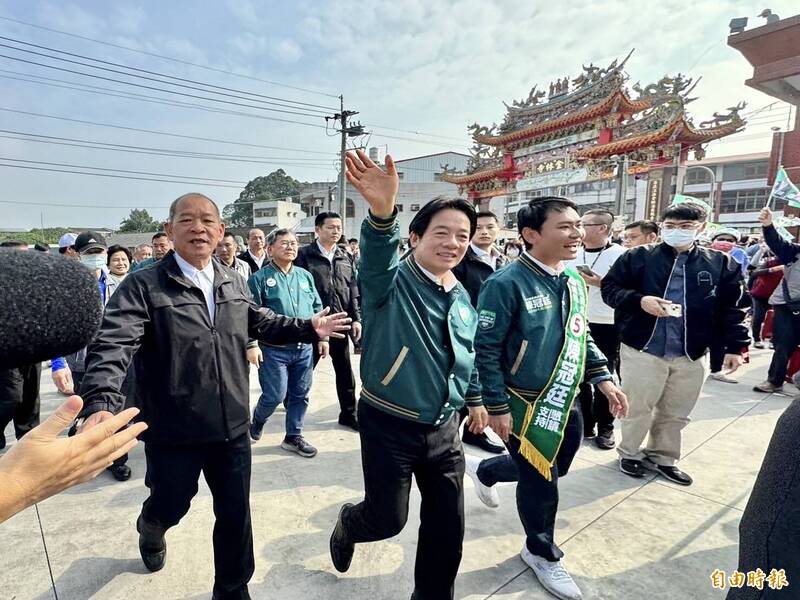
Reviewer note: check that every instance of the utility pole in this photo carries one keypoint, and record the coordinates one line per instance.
(346, 131)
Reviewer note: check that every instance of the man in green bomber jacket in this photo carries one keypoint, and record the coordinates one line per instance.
(533, 350)
(417, 371)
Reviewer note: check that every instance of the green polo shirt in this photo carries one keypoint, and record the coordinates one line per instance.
(291, 294)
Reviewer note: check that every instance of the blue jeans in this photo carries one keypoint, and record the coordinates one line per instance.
(285, 370)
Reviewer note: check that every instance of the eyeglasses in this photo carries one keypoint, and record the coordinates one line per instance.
(287, 244)
(682, 226)
(592, 224)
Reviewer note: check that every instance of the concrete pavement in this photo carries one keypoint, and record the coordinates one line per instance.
(624, 539)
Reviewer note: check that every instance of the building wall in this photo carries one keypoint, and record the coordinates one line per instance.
(277, 214)
(427, 169)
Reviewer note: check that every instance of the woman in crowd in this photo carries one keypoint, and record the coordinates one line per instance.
(512, 250)
(119, 263)
(766, 276)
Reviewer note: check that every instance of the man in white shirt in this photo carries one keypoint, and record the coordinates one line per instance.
(255, 255)
(593, 262)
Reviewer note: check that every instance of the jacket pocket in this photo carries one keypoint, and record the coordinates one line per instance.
(520, 357)
(398, 362)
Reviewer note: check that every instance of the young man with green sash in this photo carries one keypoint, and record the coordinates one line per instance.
(417, 371)
(533, 350)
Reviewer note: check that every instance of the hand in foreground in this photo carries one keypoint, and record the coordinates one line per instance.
(653, 305)
(765, 217)
(501, 425)
(63, 381)
(255, 356)
(731, 363)
(42, 464)
(378, 187)
(617, 400)
(327, 325)
(356, 331)
(478, 419)
(324, 349)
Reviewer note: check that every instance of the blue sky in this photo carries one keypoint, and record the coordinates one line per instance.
(425, 66)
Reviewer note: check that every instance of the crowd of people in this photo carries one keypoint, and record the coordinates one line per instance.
(563, 334)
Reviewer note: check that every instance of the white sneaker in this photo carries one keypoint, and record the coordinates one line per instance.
(553, 577)
(487, 495)
(720, 376)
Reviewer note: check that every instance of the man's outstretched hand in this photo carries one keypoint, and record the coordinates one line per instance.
(42, 464)
(330, 325)
(377, 186)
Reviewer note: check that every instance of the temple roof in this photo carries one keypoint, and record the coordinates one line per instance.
(617, 102)
(483, 175)
(679, 130)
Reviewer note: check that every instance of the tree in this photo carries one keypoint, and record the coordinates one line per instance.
(139, 221)
(274, 186)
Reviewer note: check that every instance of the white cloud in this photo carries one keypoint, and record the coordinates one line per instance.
(286, 51)
(249, 44)
(245, 11)
(72, 18)
(129, 19)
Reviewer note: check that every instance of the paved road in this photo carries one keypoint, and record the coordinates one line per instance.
(624, 539)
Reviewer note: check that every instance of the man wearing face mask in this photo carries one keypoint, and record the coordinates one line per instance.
(671, 301)
(68, 371)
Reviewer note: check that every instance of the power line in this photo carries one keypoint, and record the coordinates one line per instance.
(158, 89)
(171, 59)
(159, 152)
(108, 175)
(157, 132)
(150, 99)
(422, 133)
(211, 85)
(53, 164)
(283, 101)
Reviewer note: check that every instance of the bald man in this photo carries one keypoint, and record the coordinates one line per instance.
(191, 318)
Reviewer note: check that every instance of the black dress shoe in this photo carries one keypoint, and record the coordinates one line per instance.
(604, 440)
(480, 440)
(341, 547)
(349, 421)
(632, 467)
(674, 474)
(152, 545)
(120, 472)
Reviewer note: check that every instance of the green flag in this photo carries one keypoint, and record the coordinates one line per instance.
(784, 189)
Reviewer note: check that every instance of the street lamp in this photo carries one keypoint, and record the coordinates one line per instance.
(713, 182)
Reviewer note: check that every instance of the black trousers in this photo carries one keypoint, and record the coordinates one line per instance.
(345, 380)
(392, 450)
(172, 475)
(760, 308)
(786, 337)
(537, 498)
(594, 404)
(19, 399)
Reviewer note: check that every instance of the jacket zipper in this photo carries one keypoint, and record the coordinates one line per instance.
(219, 385)
(664, 297)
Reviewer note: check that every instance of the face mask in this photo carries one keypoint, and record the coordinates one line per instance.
(93, 262)
(723, 246)
(512, 252)
(678, 238)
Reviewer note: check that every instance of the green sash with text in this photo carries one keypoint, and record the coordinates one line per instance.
(539, 425)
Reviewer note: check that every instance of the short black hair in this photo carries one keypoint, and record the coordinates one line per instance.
(607, 217)
(275, 234)
(645, 226)
(321, 217)
(63, 249)
(41, 247)
(686, 211)
(160, 234)
(230, 235)
(419, 224)
(118, 248)
(351, 240)
(13, 244)
(173, 208)
(537, 210)
(487, 213)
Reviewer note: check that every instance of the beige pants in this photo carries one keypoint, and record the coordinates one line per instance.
(661, 393)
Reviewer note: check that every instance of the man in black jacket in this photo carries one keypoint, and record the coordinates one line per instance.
(256, 254)
(672, 300)
(335, 280)
(190, 320)
(481, 260)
